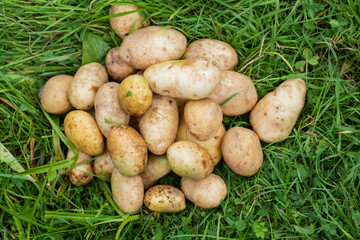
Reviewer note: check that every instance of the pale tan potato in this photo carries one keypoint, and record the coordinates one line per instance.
(235, 83)
(159, 125)
(107, 106)
(190, 78)
(127, 150)
(116, 68)
(219, 51)
(81, 129)
(164, 198)
(103, 165)
(275, 115)
(205, 193)
(54, 95)
(189, 159)
(156, 168)
(127, 192)
(87, 80)
(203, 118)
(242, 151)
(152, 45)
(82, 174)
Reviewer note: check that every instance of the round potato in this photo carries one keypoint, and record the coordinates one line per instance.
(203, 118)
(152, 45)
(205, 193)
(219, 51)
(275, 115)
(235, 83)
(82, 174)
(156, 168)
(81, 129)
(87, 80)
(164, 198)
(103, 165)
(242, 151)
(116, 68)
(189, 159)
(127, 192)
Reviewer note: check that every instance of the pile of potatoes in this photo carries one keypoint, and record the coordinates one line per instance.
(163, 112)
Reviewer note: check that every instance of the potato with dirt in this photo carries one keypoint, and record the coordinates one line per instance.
(103, 165)
(164, 198)
(83, 173)
(156, 168)
(116, 68)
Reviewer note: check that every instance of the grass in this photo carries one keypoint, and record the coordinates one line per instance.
(308, 186)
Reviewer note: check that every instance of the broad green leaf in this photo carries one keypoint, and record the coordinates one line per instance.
(300, 65)
(94, 49)
(307, 53)
(314, 60)
(309, 230)
(240, 225)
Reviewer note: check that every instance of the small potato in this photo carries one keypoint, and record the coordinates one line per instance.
(235, 83)
(107, 106)
(127, 192)
(103, 165)
(135, 95)
(81, 129)
(127, 150)
(164, 198)
(80, 175)
(116, 68)
(275, 115)
(156, 168)
(87, 80)
(190, 78)
(242, 151)
(203, 118)
(219, 51)
(159, 124)
(189, 159)
(152, 45)
(205, 193)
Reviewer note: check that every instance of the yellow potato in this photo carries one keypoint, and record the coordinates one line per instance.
(156, 168)
(82, 174)
(164, 198)
(116, 68)
(103, 165)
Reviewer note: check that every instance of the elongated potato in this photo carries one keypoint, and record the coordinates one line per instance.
(191, 78)
(164, 198)
(156, 168)
(116, 68)
(275, 115)
(82, 174)
(103, 165)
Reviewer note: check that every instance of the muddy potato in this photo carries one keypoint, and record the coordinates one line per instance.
(235, 83)
(81, 129)
(103, 165)
(205, 193)
(242, 151)
(190, 78)
(107, 106)
(116, 68)
(80, 175)
(156, 168)
(87, 80)
(275, 115)
(189, 159)
(127, 192)
(219, 51)
(152, 45)
(164, 198)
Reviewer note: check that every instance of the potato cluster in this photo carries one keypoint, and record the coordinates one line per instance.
(167, 117)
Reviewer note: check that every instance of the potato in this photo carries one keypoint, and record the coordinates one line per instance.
(116, 68)
(235, 83)
(219, 51)
(203, 118)
(103, 165)
(81, 129)
(54, 95)
(159, 125)
(156, 168)
(205, 193)
(87, 80)
(191, 78)
(107, 106)
(80, 175)
(242, 151)
(135, 95)
(164, 198)
(275, 115)
(152, 45)
(189, 159)
(127, 150)
(127, 192)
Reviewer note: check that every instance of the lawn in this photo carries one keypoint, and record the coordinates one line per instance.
(308, 186)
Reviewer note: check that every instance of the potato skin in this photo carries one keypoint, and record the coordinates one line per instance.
(80, 175)
(242, 151)
(190, 78)
(107, 106)
(219, 51)
(127, 150)
(231, 83)
(156, 168)
(127, 192)
(275, 115)
(189, 159)
(103, 165)
(116, 68)
(81, 129)
(157, 45)
(164, 198)
(205, 193)
(87, 80)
